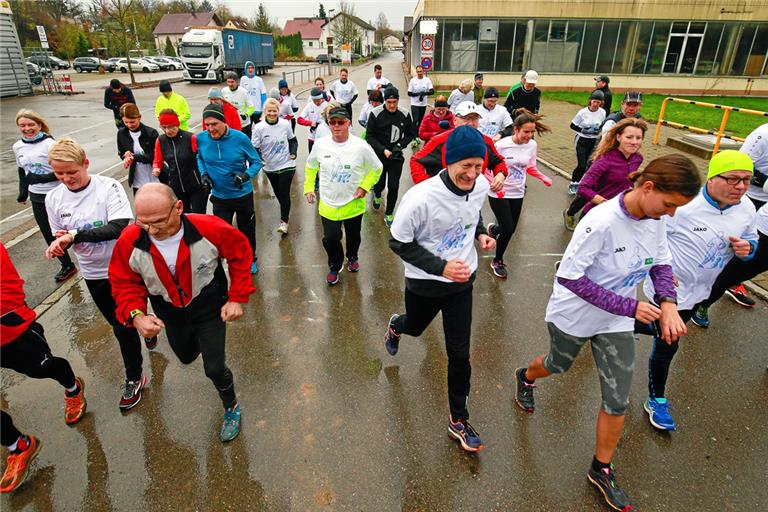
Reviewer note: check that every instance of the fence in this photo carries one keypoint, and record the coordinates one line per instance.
(310, 73)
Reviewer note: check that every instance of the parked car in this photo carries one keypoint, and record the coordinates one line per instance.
(92, 64)
(356, 56)
(113, 60)
(323, 57)
(35, 73)
(48, 61)
(137, 65)
(167, 64)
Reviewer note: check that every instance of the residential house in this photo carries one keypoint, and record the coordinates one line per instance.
(365, 30)
(392, 43)
(311, 30)
(174, 26)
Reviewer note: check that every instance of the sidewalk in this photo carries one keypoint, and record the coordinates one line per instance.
(556, 151)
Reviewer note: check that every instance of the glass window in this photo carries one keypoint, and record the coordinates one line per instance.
(680, 27)
(486, 56)
(658, 47)
(621, 61)
(711, 52)
(607, 46)
(590, 46)
(756, 59)
(743, 50)
(505, 46)
(451, 43)
(645, 30)
(438, 47)
(697, 27)
(572, 45)
(541, 31)
(557, 30)
(521, 30)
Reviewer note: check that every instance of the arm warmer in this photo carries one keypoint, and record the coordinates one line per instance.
(663, 282)
(418, 256)
(110, 231)
(352, 100)
(575, 128)
(23, 185)
(593, 293)
(293, 146)
(480, 228)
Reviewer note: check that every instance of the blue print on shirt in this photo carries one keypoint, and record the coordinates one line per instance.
(516, 172)
(279, 148)
(717, 254)
(454, 238)
(341, 173)
(637, 273)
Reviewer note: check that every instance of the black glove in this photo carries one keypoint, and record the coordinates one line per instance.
(397, 153)
(759, 179)
(444, 124)
(421, 97)
(240, 178)
(23, 196)
(207, 183)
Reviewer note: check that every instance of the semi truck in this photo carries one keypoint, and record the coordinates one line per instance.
(209, 52)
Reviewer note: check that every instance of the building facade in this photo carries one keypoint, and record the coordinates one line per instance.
(174, 26)
(703, 47)
(311, 31)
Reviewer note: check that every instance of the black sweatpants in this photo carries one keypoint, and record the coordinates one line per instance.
(577, 205)
(281, 185)
(457, 324)
(247, 130)
(30, 355)
(738, 271)
(130, 346)
(662, 354)
(417, 113)
(507, 212)
(332, 240)
(584, 147)
(191, 339)
(41, 217)
(390, 178)
(8, 431)
(226, 209)
(195, 201)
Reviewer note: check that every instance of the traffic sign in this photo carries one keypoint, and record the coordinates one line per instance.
(426, 63)
(43, 37)
(427, 43)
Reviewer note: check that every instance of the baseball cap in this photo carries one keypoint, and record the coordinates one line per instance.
(491, 92)
(339, 112)
(597, 94)
(466, 108)
(531, 76)
(602, 78)
(632, 97)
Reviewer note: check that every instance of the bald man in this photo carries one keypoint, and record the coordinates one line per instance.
(175, 259)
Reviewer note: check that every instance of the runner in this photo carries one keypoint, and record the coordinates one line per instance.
(36, 177)
(257, 91)
(312, 114)
(115, 96)
(176, 159)
(477, 89)
(136, 147)
(320, 84)
(228, 163)
(24, 349)
(344, 91)
(526, 96)
(389, 131)
(495, 121)
(89, 213)
(374, 100)
(377, 82)
(630, 108)
(519, 152)
(439, 120)
(601, 84)
(173, 101)
(419, 88)
(433, 234)
(703, 236)
(594, 300)
(273, 138)
(231, 114)
(288, 104)
(586, 123)
(461, 94)
(241, 99)
(348, 169)
(617, 156)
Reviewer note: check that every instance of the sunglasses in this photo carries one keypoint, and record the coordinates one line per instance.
(337, 122)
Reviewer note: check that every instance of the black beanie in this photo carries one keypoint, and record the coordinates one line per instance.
(390, 92)
(165, 86)
(115, 84)
(215, 111)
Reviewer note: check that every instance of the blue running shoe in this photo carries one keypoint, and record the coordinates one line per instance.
(230, 427)
(701, 316)
(376, 203)
(658, 413)
(463, 432)
(254, 267)
(389, 219)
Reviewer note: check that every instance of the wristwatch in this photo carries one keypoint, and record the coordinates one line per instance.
(73, 232)
(668, 299)
(135, 313)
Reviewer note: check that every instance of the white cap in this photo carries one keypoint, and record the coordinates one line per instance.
(531, 76)
(466, 108)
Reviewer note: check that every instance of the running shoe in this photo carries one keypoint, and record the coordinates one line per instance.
(353, 265)
(17, 469)
(132, 393)
(389, 219)
(65, 273)
(415, 144)
(605, 481)
(573, 188)
(283, 228)
(493, 230)
(570, 221)
(499, 269)
(392, 338)
(701, 316)
(254, 267)
(74, 406)
(658, 413)
(230, 426)
(739, 294)
(150, 343)
(524, 393)
(464, 433)
(376, 203)
(332, 278)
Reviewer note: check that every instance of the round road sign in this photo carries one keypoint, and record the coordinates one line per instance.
(427, 43)
(426, 63)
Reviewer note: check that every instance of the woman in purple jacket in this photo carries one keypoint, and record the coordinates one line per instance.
(617, 156)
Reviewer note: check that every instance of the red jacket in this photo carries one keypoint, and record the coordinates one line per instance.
(15, 315)
(231, 116)
(430, 159)
(137, 271)
(430, 125)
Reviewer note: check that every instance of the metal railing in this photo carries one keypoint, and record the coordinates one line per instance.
(310, 73)
(719, 134)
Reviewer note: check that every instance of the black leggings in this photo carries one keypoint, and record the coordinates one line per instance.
(457, 325)
(190, 339)
(390, 178)
(584, 147)
(332, 240)
(577, 205)
(226, 209)
(662, 354)
(417, 113)
(30, 355)
(737, 271)
(195, 201)
(507, 212)
(8, 431)
(130, 346)
(281, 185)
(41, 217)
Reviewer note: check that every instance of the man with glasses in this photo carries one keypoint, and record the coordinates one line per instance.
(176, 260)
(630, 107)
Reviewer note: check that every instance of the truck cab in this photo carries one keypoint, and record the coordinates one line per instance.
(202, 53)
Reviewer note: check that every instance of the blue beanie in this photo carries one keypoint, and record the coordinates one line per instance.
(464, 142)
(282, 84)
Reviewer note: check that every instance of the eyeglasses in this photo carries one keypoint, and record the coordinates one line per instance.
(337, 122)
(157, 225)
(732, 181)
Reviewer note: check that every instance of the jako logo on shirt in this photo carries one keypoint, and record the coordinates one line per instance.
(619, 249)
(697, 228)
(63, 215)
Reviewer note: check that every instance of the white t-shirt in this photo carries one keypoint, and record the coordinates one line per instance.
(698, 239)
(169, 248)
(756, 146)
(614, 251)
(102, 201)
(458, 97)
(761, 219)
(441, 222)
(143, 173)
(493, 121)
(272, 142)
(33, 158)
(313, 113)
(365, 112)
(417, 84)
(344, 92)
(518, 158)
(255, 88)
(589, 122)
(242, 100)
(342, 167)
(323, 130)
(287, 105)
(374, 83)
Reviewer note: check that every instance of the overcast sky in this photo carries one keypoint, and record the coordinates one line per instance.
(282, 10)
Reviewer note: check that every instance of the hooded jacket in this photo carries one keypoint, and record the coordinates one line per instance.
(255, 87)
(178, 104)
(430, 125)
(220, 159)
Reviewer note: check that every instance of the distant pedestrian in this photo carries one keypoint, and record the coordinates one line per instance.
(378, 81)
(311, 116)
(478, 89)
(320, 84)
(601, 84)
(115, 96)
(174, 101)
(526, 96)
(375, 99)
(586, 123)
(288, 104)
(344, 91)
(136, 147)
(231, 114)
(241, 99)
(419, 89)
(461, 94)
(257, 91)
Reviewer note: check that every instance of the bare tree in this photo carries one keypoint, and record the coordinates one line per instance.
(119, 12)
(382, 28)
(344, 28)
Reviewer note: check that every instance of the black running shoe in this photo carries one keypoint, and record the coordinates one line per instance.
(392, 338)
(524, 394)
(739, 294)
(605, 481)
(65, 273)
(150, 343)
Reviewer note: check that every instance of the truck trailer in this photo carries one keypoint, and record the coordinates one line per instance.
(210, 52)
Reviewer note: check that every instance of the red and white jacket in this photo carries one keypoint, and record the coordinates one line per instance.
(137, 271)
(15, 316)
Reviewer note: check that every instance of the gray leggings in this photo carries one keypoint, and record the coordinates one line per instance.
(614, 355)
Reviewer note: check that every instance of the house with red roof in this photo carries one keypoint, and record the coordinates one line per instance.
(311, 30)
(174, 26)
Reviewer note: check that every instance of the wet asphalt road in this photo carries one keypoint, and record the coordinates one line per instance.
(331, 422)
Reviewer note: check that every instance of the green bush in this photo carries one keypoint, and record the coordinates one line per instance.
(292, 44)
(282, 53)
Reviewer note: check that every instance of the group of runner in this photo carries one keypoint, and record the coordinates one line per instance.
(687, 241)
